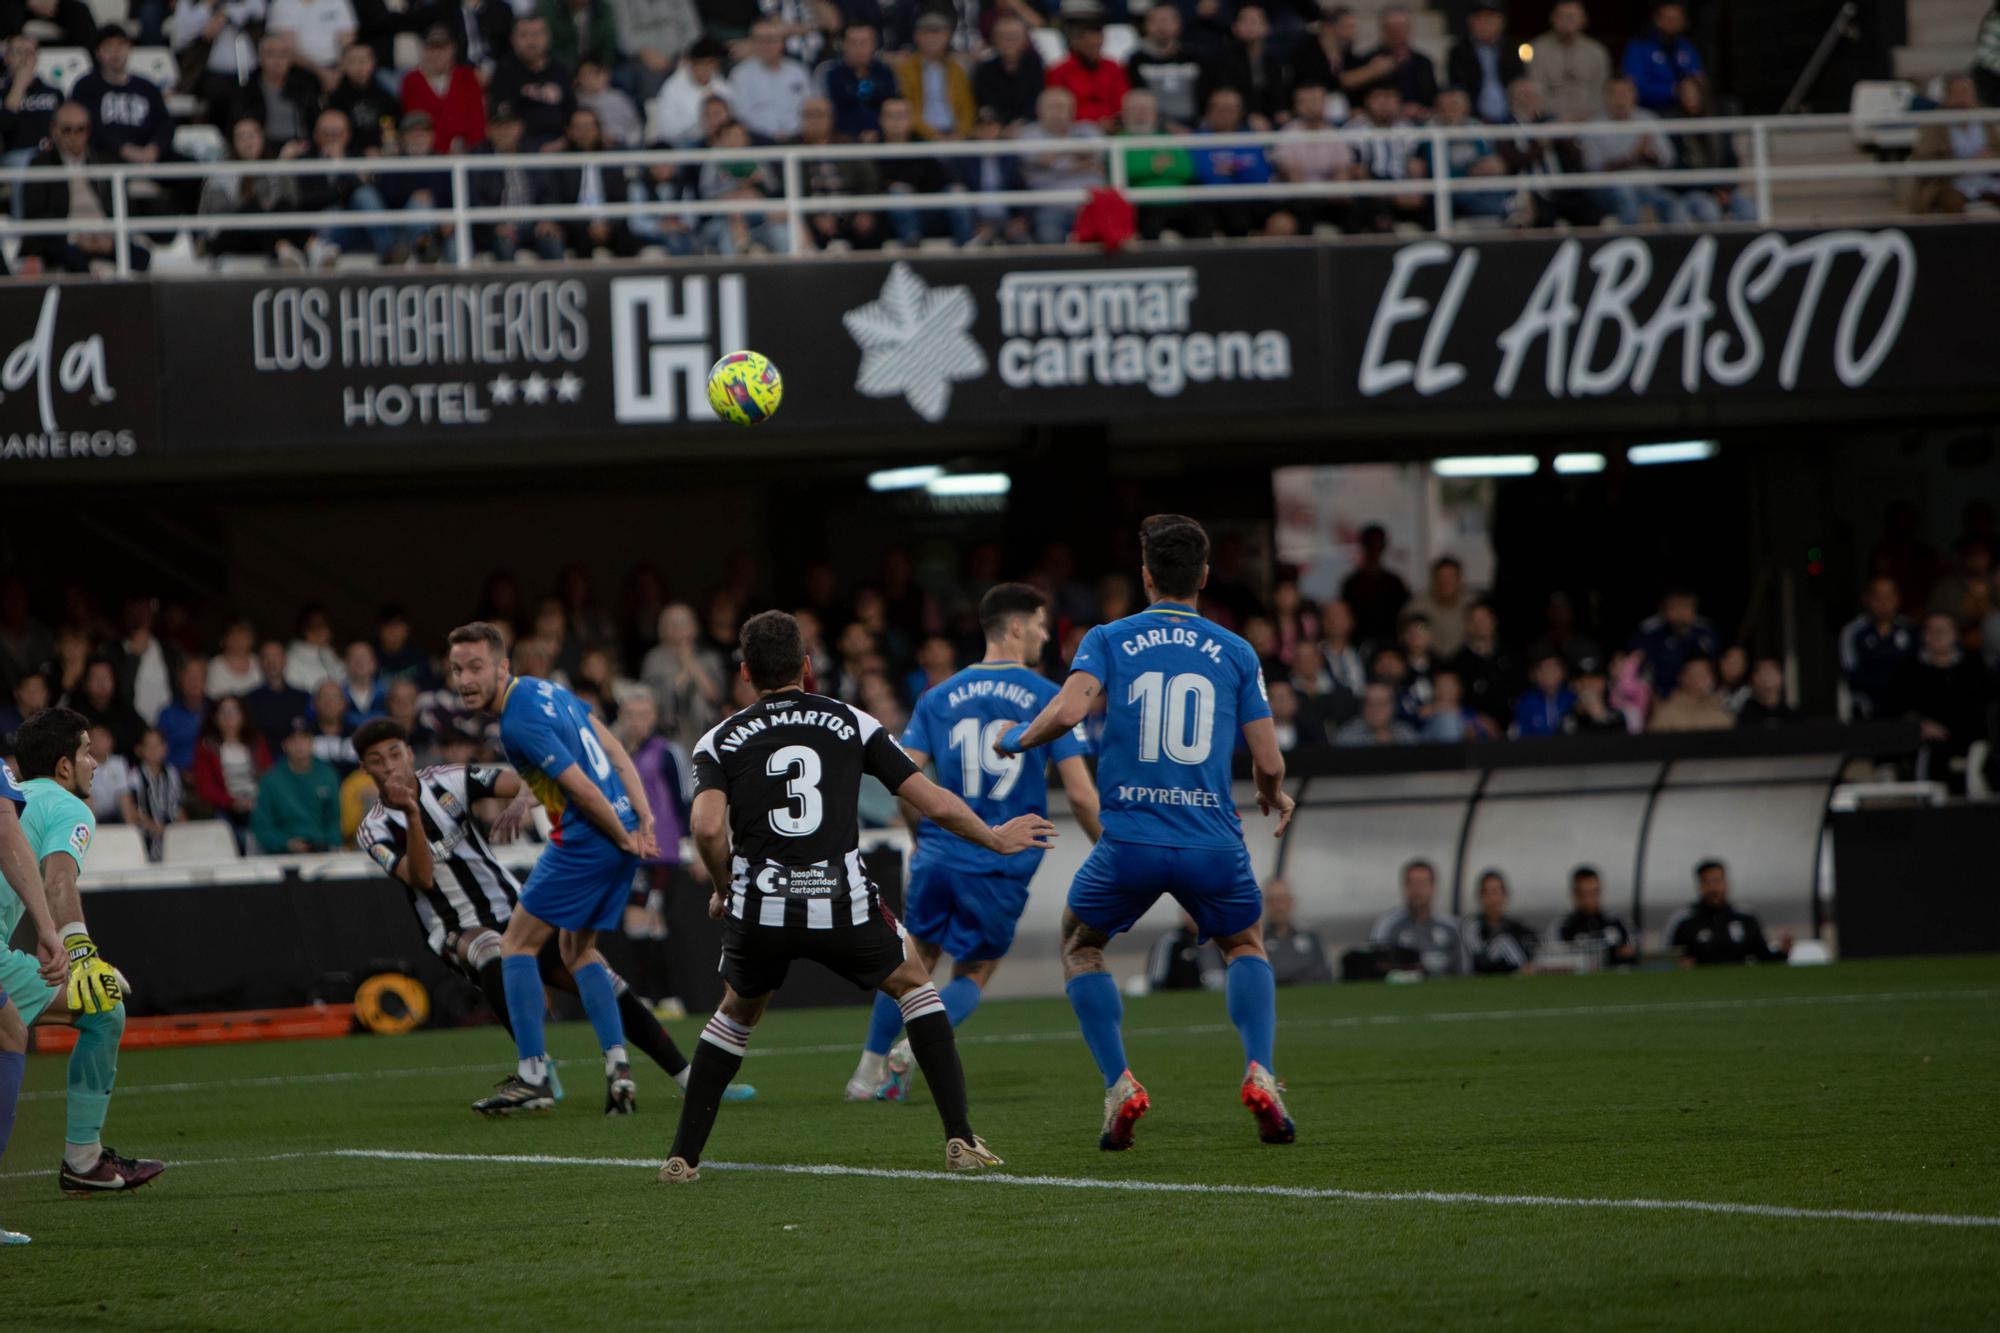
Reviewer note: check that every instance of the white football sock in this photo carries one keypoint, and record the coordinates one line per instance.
(82, 1156)
(872, 1069)
(614, 1058)
(535, 1070)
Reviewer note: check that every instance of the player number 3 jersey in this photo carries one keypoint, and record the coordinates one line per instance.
(791, 766)
(1177, 688)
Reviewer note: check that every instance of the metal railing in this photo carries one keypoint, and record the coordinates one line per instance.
(1756, 172)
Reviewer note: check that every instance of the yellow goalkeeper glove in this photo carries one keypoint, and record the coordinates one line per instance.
(93, 983)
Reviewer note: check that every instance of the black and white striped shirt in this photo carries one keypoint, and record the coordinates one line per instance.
(469, 889)
(791, 766)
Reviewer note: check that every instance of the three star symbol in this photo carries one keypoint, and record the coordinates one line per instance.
(535, 389)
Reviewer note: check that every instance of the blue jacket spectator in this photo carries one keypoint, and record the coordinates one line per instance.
(1673, 636)
(1658, 59)
(1228, 166)
(1541, 713)
(857, 84)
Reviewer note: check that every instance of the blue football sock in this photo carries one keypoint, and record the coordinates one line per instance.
(600, 1002)
(960, 998)
(885, 1020)
(1099, 1011)
(523, 979)
(1253, 1007)
(13, 1067)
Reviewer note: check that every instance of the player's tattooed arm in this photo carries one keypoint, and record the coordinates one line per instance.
(1071, 706)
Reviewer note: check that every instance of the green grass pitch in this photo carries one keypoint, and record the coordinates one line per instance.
(1869, 1088)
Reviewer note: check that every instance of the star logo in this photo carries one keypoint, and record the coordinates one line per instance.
(915, 342)
(502, 388)
(569, 388)
(535, 388)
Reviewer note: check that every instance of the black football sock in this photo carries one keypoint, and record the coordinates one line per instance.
(643, 1030)
(495, 990)
(717, 1057)
(928, 1027)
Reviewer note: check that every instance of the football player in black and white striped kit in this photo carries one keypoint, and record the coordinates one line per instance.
(775, 818)
(461, 894)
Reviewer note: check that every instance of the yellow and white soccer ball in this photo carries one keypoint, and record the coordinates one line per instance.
(744, 387)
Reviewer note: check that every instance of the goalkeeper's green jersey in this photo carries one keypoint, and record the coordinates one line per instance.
(55, 820)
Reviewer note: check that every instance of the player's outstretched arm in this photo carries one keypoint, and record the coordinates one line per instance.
(912, 817)
(1081, 789)
(1070, 706)
(17, 865)
(948, 812)
(708, 825)
(596, 808)
(635, 790)
(1267, 767)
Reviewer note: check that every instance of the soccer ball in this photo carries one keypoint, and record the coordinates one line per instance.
(744, 387)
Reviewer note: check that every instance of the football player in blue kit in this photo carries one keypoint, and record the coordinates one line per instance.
(599, 827)
(1177, 687)
(964, 900)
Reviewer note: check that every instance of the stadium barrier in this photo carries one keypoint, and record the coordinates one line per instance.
(1758, 173)
(289, 931)
(1679, 331)
(284, 932)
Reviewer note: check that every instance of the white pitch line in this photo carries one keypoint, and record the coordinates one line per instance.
(1779, 1212)
(1183, 1030)
(1441, 1197)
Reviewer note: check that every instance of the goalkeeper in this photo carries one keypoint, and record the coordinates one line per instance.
(52, 756)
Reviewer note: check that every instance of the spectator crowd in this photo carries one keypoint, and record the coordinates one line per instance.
(253, 727)
(318, 81)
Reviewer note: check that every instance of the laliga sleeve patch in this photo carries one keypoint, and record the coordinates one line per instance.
(384, 854)
(79, 840)
(1262, 689)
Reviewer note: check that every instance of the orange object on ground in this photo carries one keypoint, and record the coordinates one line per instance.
(312, 1021)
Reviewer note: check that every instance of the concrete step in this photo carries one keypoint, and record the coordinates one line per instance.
(1953, 21)
(1832, 144)
(1943, 30)
(1921, 63)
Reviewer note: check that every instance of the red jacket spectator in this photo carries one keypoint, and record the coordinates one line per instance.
(209, 783)
(459, 115)
(1099, 88)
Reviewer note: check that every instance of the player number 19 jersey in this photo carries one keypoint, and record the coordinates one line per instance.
(958, 722)
(1177, 688)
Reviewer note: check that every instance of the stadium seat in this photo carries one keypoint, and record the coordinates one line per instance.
(1050, 46)
(541, 820)
(1975, 770)
(408, 49)
(112, 11)
(203, 842)
(200, 143)
(117, 848)
(156, 64)
(1874, 106)
(1120, 41)
(61, 66)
